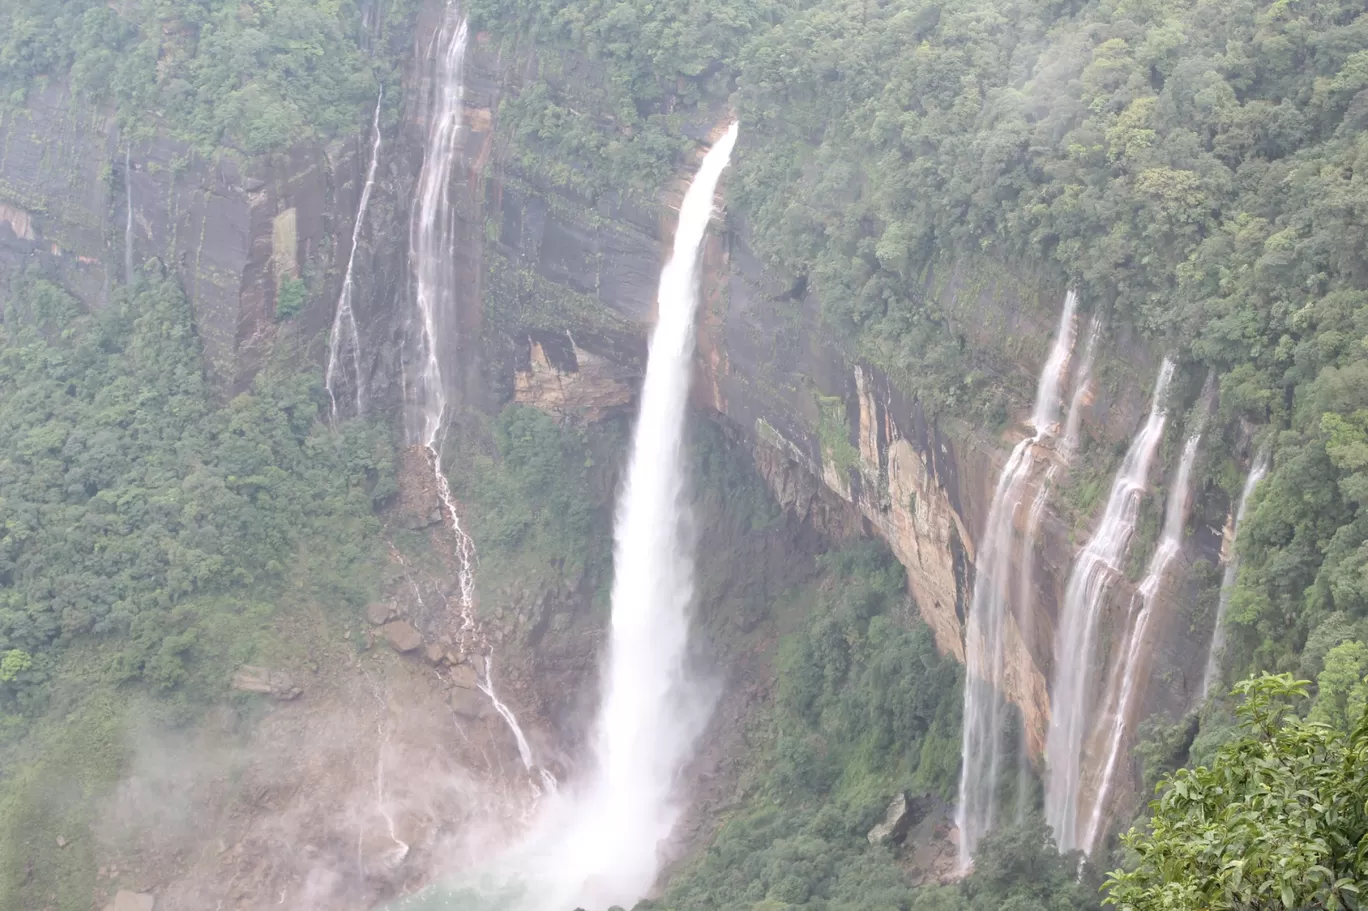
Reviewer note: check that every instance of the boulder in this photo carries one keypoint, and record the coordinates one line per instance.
(464, 676)
(898, 819)
(467, 703)
(379, 612)
(132, 901)
(433, 653)
(401, 635)
(267, 682)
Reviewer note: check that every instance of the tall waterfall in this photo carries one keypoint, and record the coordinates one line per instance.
(599, 843)
(1068, 446)
(344, 335)
(1257, 472)
(652, 711)
(1093, 571)
(986, 638)
(1116, 719)
(432, 238)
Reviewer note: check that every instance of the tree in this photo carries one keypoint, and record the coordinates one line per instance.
(1280, 820)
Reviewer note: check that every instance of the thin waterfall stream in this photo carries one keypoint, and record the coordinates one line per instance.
(344, 333)
(128, 214)
(1094, 570)
(1257, 472)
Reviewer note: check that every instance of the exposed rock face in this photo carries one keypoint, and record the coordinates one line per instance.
(564, 380)
(267, 682)
(88, 206)
(898, 820)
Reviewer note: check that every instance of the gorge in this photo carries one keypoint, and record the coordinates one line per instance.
(365, 489)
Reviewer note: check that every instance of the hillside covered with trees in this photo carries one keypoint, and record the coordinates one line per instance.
(1197, 171)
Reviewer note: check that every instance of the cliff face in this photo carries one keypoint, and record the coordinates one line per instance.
(557, 265)
(90, 207)
(560, 296)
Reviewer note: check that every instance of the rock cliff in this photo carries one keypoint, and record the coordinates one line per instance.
(561, 295)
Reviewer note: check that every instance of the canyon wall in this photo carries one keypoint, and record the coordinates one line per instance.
(562, 294)
(558, 265)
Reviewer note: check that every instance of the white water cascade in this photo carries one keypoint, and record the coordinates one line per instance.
(432, 252)
(986, 637)
(600, 844)
(1073, 425)
(1257, 472)
(1094, 569)
(1067, 448)
(432, 237)
(344, 335)
(1116, 719)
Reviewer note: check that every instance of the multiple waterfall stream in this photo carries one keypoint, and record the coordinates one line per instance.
(1094, 570)
(1118, 715)
(991, 609)
(599, 844)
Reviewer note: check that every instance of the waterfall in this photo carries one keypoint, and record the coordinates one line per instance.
(1257, 472)
(344, 317)
(598, 844)
(1093, 571)
(432, 237)
(128, 214)
(1120, 708)
(486, 686)
(1073, 426)
(1068, 446)
(652, 711)
(986, 637)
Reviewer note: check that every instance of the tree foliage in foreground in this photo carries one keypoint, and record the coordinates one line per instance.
(1279, 820)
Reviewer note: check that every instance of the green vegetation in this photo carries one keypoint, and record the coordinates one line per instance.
(864, 707)
(151, 537)
(290, 298)
(833, 429)
(540, 499)
(1194, 172)
(256, 77)
(611, 123)
(1279, 820)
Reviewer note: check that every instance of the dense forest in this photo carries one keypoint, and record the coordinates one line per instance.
(1197, 171)
(152, 539)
